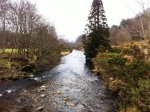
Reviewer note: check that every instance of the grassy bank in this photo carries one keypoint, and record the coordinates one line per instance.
(14, 65)
(8, 50)
(126, 71)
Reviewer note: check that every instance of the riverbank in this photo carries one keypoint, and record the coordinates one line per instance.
(126, 71)
(66, 53)
(19, 67)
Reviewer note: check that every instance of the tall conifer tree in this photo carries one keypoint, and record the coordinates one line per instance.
(97, 32)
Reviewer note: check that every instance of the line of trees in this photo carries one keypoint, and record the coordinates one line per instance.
(78, 43)
(136, 28)
(24, 29)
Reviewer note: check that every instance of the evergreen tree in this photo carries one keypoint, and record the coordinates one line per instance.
(97, 32)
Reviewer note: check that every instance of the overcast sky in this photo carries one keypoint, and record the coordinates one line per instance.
(69, 16)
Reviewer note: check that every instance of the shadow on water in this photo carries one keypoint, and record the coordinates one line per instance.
(89, 64)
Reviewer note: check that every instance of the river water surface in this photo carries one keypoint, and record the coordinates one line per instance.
(69, 87)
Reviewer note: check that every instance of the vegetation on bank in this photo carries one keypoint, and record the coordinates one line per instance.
(65, 46)
(28, 43)
(126, 72)
(78, 43)
(125, 65)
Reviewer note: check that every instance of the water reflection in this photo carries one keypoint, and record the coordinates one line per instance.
(69, 87)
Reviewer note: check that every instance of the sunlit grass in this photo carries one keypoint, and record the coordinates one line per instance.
(9, 50)
(0, 50)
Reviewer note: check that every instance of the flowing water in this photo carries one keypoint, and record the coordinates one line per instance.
(69, 87)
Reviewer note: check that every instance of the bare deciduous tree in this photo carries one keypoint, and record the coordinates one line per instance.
(3, 22)
(31, 35)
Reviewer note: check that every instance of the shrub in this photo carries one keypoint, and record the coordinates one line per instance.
(135, 51)
(116, 50)
(131, 78)
(111, 63)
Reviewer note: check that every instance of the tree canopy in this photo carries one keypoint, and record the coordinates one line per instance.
(96, 31)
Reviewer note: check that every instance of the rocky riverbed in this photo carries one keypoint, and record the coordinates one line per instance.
(69, 87)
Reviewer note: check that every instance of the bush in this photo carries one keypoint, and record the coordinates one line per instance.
(135, 51)
(111, 63)
(136, 95)
(116, 50)
(132, 79)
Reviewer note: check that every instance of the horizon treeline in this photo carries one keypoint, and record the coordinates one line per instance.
(135, 28)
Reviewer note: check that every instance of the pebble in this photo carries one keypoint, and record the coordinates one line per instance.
(24, 90)
(40, 108)
(58, 92)
(42, 96)
(31, 76)
(79, 108)
(37, 79)
(8, 91)
(70, 103)
(42, 88)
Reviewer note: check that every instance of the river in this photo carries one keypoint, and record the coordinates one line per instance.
(69, 87)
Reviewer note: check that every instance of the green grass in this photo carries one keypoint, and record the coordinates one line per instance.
(9, 50)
